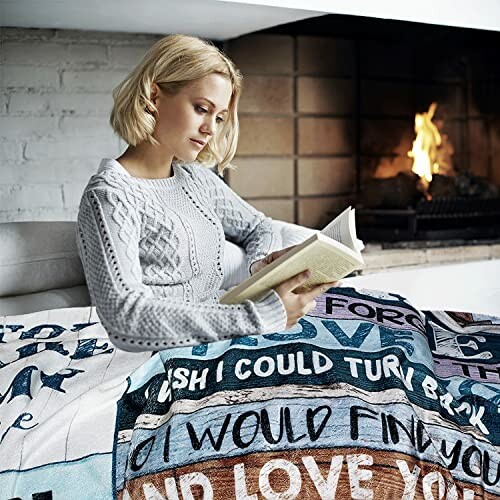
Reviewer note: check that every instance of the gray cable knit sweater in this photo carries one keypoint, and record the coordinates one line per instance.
(152, 252)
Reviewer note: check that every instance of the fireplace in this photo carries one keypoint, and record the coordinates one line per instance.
(383, 75)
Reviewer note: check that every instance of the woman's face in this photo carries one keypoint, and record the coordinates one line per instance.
(189, 119)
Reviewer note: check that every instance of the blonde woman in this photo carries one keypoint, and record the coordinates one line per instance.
(152, 223)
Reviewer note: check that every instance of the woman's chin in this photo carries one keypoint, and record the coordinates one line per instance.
(187, 156)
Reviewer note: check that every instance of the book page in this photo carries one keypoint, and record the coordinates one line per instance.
(343, 229)
(329, 264)
(338, 229)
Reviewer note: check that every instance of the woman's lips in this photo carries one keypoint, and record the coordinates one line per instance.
(200, 144)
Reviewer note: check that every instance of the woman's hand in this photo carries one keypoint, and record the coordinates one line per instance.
(260, 264)
(298, 303)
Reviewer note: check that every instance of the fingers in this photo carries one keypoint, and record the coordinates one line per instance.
(297, 300)
(278, 253)
(285, 250)
(310, 306)
(319, 289)
(299, 313)
(294, 282)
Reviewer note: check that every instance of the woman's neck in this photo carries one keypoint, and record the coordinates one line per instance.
(146, 161)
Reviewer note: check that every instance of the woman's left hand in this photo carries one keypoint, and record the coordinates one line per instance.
(259, 264)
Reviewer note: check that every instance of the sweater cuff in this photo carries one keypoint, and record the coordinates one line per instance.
(272, 312)
(250, 266)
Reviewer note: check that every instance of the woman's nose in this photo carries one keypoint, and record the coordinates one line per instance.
(209, 125)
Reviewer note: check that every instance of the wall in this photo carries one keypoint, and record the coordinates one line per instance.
(55, 99)
(318, 115)
(296, 149)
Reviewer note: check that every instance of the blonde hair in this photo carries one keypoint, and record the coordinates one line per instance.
(173, 62)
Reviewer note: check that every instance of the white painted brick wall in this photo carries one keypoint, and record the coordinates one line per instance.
(3, 103)
(55, 99)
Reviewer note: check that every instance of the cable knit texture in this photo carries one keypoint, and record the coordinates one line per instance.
(152, 252)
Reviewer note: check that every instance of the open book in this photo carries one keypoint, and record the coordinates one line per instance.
(330, 254)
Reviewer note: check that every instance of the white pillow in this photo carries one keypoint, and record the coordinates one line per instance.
(235, 261)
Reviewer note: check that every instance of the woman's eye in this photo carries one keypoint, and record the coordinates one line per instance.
(201, 109)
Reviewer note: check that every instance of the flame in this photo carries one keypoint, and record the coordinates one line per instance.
(425, 146)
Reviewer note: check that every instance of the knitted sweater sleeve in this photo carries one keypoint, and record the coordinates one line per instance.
(243, 224)
(108, 234)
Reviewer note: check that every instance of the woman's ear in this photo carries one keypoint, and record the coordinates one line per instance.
(155, 91)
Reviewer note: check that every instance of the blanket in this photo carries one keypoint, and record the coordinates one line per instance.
(367, 397)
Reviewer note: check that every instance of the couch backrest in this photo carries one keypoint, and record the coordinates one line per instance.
(38, 256)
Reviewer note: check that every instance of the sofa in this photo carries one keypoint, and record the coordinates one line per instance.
(40, 267)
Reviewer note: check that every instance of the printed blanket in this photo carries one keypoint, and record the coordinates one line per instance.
(366, 398)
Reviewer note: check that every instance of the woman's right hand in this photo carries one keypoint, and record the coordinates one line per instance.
(299, 303)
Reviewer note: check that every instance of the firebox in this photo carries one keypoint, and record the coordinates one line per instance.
(433, 201)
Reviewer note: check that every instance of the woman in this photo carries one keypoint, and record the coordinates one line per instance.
(152, 223)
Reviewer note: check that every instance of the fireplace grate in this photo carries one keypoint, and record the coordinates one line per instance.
(436, 219)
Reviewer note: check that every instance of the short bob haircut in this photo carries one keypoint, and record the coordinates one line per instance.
(173, 62)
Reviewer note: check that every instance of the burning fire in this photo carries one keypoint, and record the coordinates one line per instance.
(432, 153)
(425, 146)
